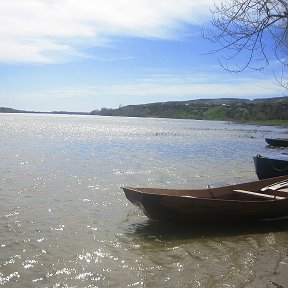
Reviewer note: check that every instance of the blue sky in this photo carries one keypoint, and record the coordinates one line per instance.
(84, 55)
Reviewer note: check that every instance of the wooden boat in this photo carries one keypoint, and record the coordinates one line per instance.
(259, 200)
(270, 167)
(277, 142)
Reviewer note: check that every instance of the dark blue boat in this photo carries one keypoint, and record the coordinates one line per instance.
(270, 167)
(277, 142)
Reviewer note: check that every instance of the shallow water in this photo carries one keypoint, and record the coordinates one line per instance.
(65, 222)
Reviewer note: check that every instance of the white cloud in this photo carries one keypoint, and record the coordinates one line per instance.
(38, 30)
(239, 88)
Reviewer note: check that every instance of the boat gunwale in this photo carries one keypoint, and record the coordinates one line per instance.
(228, 188)
(263, 200)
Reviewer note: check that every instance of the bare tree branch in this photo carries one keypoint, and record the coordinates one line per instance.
(241, 29)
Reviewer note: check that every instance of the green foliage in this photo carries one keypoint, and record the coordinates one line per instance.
(217, 112)
(273, 110)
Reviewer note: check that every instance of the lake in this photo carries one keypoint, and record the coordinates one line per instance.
(65, 222)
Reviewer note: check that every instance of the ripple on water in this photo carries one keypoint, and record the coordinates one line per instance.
(65, 222)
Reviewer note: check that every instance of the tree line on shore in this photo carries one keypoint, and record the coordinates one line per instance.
(272, 111)
(240, 110)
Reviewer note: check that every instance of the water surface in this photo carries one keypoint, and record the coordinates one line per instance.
(65, 222)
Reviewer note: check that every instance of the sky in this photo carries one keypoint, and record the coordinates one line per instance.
(72, 55)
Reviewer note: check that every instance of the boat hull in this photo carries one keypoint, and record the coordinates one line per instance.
(179, 205)
(268, 167)
(277, 142)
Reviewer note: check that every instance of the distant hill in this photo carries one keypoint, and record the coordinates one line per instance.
(9, 110)
(271, 109)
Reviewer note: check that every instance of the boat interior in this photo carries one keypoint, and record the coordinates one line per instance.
(275, 191)
(245, 195)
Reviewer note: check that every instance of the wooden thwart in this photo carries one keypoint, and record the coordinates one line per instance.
(276, 186)
(266, 196)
